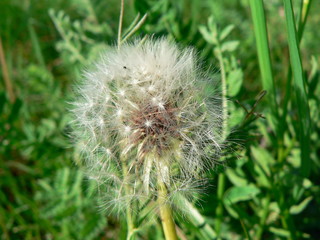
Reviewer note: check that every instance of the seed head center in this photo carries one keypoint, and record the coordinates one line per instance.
(154, 126)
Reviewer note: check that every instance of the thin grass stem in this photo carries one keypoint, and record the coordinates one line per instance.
(120, 23)
(36, 44)
(135, 28)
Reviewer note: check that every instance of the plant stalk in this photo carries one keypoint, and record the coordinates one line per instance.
(199, 221)
(120, 23)
(221, 178)
(129, 217)
(166, 216)
(219, 209)
(224, 90)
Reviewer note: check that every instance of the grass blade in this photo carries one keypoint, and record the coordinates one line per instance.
(36, 44)
(299, 87)
(303, 15)
(260, 30)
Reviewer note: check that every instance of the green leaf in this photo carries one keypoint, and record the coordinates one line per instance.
(234, 80)
(280, 232)
(261, 177)
(236, 116)
(296, 209)
(306, 183)
(237, 194)
(232, 212)
(207, 35)
(263, 158)
(225, 32)
(230, 46)
(235, 178)
(213, 26)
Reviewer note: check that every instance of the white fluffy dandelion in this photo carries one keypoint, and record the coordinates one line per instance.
(142, 118)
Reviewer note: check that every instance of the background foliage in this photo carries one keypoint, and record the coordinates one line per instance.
(261, 191)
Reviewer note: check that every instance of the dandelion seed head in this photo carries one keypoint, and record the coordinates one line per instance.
(153, 116)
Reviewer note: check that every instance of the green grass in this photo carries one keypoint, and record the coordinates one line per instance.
(300, 90)
(262, 42)
(268, 184)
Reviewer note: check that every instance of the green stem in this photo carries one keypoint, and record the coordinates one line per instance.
(219, 209)
(129, 217)
(224, 90)
(92, 12)
(286, 218)
(221, 177)
(134, 29)
(198, 220)
(287, 223)
(120, 23)
(263, 218)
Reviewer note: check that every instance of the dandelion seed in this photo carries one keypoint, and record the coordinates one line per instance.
(135, 81)
(122, 92)
(148, 123)
(127, 129)
(151, 88)
(119, 112)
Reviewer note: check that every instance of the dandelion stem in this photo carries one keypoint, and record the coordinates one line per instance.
(168, 224)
